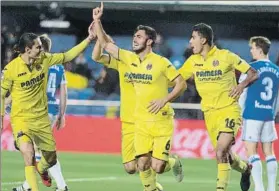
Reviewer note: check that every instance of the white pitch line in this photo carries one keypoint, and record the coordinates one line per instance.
(72, 180)
(132, 180)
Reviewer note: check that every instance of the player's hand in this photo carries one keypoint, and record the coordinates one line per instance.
(98, 12)
(92, 32)
(236, 91)
(156, 105)
(60, 122)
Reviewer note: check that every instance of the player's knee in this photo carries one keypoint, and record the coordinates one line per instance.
(143, 164)
(50, 157)
(159, 168)
(221, 154)
(130, 167)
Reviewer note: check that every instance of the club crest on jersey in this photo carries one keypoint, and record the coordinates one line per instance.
(149, 66)
(215, 63)
(38, 67)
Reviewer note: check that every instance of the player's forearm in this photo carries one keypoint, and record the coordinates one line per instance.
(101, 35)
(63, 100)
(75, 51)
(97, 52)
(252, 75)
(179, 88)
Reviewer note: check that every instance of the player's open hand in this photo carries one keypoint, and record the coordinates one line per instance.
(98, 12)
(60, 122)
(92, 32)
(236, 91)
(156, 105)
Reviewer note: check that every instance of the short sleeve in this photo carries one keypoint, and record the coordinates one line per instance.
(238, 63)
(125, 56)
(113, 63)
(169, 70)
(53, 59)
(186, 70)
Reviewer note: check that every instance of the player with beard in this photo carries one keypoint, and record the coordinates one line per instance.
(149, 73)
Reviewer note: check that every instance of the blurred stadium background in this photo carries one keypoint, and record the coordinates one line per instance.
(89, 145)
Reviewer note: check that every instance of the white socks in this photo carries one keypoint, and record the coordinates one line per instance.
(55, 172)
(257, 172)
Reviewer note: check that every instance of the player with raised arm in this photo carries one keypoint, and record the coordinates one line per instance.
(149, 73)
(26, 79)
(214, 74)
(127, 107)
(259, 102)
(56, 112)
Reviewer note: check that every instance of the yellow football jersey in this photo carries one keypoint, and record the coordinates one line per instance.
(150, 78)
(214, 76)
(128, 95)
(27, 84)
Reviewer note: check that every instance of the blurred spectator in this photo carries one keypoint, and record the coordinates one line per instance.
(161, 47)
(107, 84)
(277, 61)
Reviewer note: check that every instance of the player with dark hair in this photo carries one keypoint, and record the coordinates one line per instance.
(149, 74)
(214, 74)
(26, 79)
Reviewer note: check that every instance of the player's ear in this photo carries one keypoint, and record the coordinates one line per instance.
(27, 50)
(203, 40)
(149, 42)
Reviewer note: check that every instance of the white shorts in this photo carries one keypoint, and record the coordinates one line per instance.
(52, 119)
(258, 131)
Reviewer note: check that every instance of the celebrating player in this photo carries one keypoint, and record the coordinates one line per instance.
(259, 102)
(56, 84)
(214, 73)
(26, 78)
(149, 73)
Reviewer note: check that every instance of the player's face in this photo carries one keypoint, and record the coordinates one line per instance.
(139, 41)
(255, 51)
(36, 49)
(196, 42)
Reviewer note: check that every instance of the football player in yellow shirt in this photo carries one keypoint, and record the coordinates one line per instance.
(127, 108)
(26, 79)
(149, 73)
(214, 74)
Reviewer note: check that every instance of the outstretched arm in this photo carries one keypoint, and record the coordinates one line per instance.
(111, 48)
(59, 58)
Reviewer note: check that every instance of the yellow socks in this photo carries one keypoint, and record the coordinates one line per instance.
(238, 164)
(169, 164)
(30, 175)
(42, 165)
(148, 180)
(224, 171)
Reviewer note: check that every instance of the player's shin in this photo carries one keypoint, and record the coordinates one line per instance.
(148, 179)
(271, 166)
(56, 173)
(256, 172)
(169, 164)
(224, 171)
(30, 174)
(237, 164)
